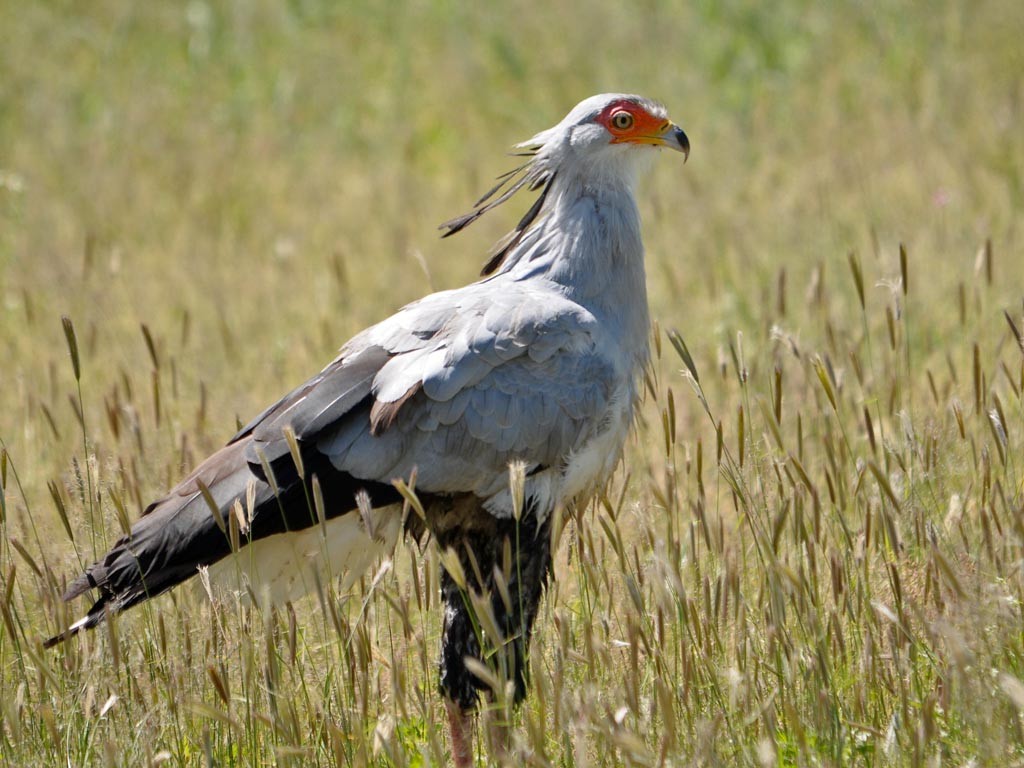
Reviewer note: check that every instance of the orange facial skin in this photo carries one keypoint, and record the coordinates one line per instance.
(644, 127)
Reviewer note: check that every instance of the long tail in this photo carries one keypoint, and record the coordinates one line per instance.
(180, 533)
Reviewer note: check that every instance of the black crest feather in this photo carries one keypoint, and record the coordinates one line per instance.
(528, 175)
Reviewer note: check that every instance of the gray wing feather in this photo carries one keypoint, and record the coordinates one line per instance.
(315, 406)
(480, 376)
(451, 376)
(485, 400)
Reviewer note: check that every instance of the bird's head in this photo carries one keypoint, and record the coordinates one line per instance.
(605, 133)
(603, 141)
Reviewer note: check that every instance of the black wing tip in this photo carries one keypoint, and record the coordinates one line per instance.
(53, 642)
(50, 642)
(96, 614)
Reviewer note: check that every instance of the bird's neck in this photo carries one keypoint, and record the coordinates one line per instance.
(587, 241)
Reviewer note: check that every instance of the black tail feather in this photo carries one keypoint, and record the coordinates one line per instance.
(179, 533)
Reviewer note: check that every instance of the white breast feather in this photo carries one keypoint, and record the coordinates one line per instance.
(593, 462)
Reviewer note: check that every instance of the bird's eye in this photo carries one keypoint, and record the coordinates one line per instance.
(622, 121)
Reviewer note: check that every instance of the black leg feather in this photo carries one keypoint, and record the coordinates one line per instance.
(526, 575)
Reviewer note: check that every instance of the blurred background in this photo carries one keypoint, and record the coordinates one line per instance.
(219, 194)
(255, 181)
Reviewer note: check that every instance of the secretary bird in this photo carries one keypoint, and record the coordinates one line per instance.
(536, 366)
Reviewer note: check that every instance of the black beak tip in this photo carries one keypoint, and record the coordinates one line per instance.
(684, 143)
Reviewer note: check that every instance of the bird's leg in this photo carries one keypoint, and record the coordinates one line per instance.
(458, 686)
(460, 723)
(518, 553)
(517, 576)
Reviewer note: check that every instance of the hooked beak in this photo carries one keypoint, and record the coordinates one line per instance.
(680, 138)
(671, 136)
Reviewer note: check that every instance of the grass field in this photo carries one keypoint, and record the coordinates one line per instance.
(813, 552)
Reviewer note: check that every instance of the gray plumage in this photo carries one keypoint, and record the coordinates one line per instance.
(539, 364)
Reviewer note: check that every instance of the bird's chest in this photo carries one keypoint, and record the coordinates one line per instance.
(592, 463)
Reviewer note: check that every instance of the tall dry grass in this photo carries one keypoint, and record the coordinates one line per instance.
(812, 554)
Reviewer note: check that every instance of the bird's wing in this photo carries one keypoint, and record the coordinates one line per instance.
(476, 378)
(454, 386)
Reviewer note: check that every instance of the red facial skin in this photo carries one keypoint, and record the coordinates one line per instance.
(645, 128)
